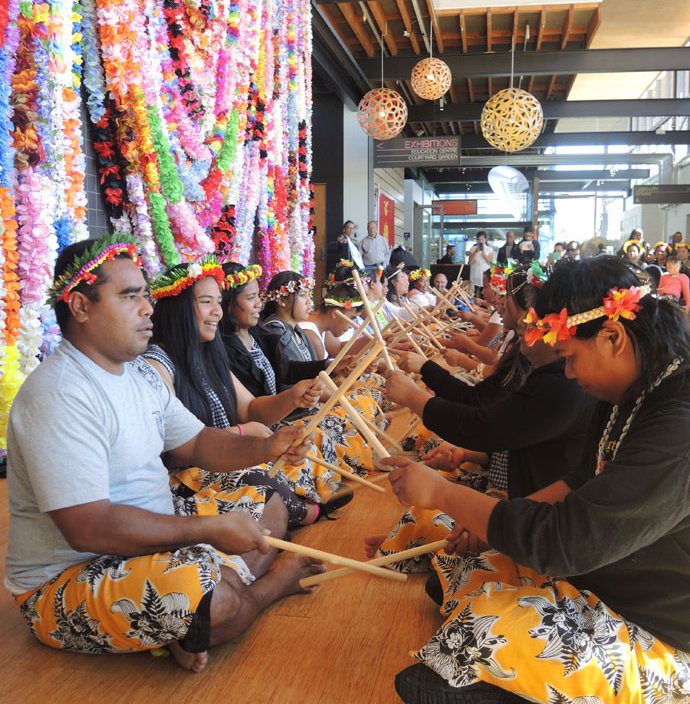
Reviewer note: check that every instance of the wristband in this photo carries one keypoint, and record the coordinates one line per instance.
(240, 429)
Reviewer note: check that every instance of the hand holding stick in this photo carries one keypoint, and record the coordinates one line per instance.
(378, 562)
(335, 559)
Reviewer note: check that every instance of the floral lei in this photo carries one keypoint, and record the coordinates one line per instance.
(304, 284)
(557, 327)
(182, 276)
(346, 303)
(240, 278)
(81, 269)
(419, 273)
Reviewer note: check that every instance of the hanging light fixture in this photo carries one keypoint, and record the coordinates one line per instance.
(431, 77)
(382, 112)
(512, 118)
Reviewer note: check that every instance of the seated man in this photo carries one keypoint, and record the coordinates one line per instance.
(98, 562)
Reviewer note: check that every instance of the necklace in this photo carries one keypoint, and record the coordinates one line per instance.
(611, 446)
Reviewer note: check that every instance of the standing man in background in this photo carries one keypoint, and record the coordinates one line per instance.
(480, 258)
(374, 247)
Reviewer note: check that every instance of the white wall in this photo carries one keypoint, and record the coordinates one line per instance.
(357, 198)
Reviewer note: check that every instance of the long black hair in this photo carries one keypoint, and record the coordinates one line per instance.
(280, 279)
(659, 332)
(229, 323)
(513, 369)
(197, 363)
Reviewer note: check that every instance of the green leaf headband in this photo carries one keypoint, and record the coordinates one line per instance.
(81, 269)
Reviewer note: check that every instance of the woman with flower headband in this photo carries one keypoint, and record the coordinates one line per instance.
(189, 356)
(512, 423)
(614, 625)
(658, 265)
(419, 290)
(288, 347)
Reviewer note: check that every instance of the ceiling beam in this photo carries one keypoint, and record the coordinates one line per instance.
(544, 63)
(453, 176)
(562, 109)
(553, 187)
(592, 139)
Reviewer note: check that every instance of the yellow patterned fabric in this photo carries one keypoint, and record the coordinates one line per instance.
(115, 604)
(543, 639)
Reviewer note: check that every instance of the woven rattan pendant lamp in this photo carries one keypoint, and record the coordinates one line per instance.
(512, 118)
(431, 77)
(382, 112)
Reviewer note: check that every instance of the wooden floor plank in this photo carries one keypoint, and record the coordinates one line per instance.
(341, 644)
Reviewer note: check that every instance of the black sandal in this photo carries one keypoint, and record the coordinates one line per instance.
(341, 498)
(419, 684)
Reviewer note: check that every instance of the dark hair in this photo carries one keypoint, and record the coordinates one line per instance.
(197, 364)
(340, 291)
(659, 332)
(62, 263)
(228, 323)
(282, 278)
(672, 258)
(481, 233)
(348, 222)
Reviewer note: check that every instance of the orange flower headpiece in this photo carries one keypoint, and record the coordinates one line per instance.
(242, 277)
(182, 276)
(82, 268)
(556, 327)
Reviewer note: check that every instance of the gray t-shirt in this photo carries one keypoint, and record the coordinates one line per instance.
(78, 434)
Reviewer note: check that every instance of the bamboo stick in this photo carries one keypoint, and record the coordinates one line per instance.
(352, 323)
(378, 562)
(379, 431)
(409, 337)
(354, 416)
(344, 472)
(346, 347)
(372, 318)
(327, 405)
(335, 559)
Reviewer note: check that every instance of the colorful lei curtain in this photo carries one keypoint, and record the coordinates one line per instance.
(201, 126)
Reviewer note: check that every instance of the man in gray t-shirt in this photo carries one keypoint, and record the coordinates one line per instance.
(97, 560)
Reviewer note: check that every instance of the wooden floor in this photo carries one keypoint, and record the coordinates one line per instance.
(342, 644)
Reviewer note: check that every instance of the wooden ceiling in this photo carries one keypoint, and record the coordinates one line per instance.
(404, 29)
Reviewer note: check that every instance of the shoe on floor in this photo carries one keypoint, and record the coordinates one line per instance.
(419, 684)
(341, 498)
(433, 588)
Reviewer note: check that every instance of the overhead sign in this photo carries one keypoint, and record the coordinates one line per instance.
(417, 151)
(454, 207)
(663, 195)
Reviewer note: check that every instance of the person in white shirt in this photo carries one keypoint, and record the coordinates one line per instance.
(480, 257)
(374, 247)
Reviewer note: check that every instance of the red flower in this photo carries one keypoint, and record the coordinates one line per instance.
(623, 303)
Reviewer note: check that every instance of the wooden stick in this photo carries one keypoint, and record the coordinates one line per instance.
(459, 276)
(335, 559)
(327, 405)
(411, 429)
(372, 318)
(431, 337)
(378, 562)
(386, 436)
(409, 337)
(354, 416)
(345, 472)
(346, 347)
(352, 323)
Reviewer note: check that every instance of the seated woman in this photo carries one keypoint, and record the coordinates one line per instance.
(419, 292)
(527, 409)
(189, 355)
(586, 594)
(673, 284)
(267, 358)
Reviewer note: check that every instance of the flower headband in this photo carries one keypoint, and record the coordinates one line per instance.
(242, 277)
(664, 245)
(305, 284)
(631, 243)
(332, 281)
(182, 276)
(346, 303)
(499, 278)
(81, 269)
(419, 273)
(556, 327)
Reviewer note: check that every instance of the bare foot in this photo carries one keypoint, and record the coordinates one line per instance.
(372, 543)
(288, 569)
(195, 662)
